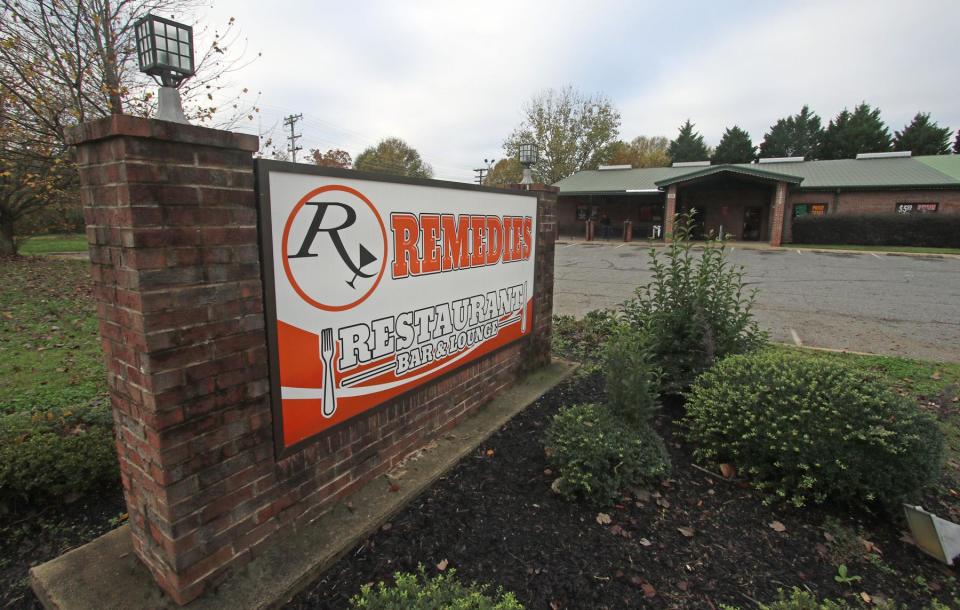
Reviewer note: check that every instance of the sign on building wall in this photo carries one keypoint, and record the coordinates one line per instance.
(376, 285)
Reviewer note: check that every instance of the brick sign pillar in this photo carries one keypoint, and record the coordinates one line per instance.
(172, 225)
(776, 214)
(670, 212)
(172, 228)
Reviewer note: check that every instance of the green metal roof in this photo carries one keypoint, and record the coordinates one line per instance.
(946, 164)
(898, 172)
(757, 171)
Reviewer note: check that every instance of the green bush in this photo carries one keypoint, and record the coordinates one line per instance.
(442, 592)
(807, 429)
(596, 456)
(632, 381)
(931, 230)
(55, 456)
(583, 339)
(694, 310)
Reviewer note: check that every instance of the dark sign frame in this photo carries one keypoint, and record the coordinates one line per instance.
(262, 169)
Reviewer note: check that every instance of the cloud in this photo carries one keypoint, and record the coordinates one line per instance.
(451, 77)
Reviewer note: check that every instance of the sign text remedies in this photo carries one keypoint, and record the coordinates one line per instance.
(380, 286)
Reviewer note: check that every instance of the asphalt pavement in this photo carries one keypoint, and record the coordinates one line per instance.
(879, 303)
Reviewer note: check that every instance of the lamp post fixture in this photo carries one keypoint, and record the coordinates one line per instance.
(528, 158)
(165, 52)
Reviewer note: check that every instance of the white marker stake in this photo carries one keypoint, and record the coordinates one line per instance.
(523, 314)
(796, 338)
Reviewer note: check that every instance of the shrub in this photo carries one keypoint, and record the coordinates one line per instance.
(935, 230)
(632, 381)
(811, 429)
(582, 339)
(596, 456)
(694, 309)
(420, 592)
(55, 456)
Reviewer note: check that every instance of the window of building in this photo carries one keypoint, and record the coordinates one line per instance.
(917, 208)
(583, 212)
(811, 209)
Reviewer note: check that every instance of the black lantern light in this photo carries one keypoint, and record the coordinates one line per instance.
(528, 158)
(165, 52)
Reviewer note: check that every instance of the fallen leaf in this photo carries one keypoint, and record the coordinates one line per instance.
(828, 536)
(547, 472)
(619, 531)
(394, 487)
(603, 519)
(778, 527)
(728, 471)
(555, 486)
(663, 502)
(686, 531)
(821, 549)
(489, 452)
(644, 542)
(870, 547)
(648, 591)
(935, 376)
(350, 506)
(865, 597)
(386, 526)
(555, 605)
(443, 565)
(636, 580)
(683, 585)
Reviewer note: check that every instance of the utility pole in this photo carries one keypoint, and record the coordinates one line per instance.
(483, 170)
(292, 138)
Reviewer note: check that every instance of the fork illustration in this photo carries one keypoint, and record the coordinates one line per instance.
(326, 354)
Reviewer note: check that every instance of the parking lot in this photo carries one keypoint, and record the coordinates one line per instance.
(869, 302)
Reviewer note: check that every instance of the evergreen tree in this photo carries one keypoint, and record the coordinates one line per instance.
(735, 147)
(923, 137)
(688, 146)
(794, 136)
(852, 133)
(956, 144)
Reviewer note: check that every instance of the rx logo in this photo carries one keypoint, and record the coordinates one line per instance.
(322, 233)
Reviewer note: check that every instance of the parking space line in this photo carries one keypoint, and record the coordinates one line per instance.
(569, 245)
(874, 254)
(620, 246)
(799, 252)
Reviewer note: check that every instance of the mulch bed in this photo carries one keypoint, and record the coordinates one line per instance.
(30, 539)
(495, 520)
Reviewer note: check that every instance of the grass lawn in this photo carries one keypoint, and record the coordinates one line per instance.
(50, 353)
(908, 249)
(51, 244)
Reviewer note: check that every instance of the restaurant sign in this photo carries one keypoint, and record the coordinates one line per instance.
(376, 285)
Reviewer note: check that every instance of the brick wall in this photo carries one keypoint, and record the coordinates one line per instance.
(869, 202)
(172, 230)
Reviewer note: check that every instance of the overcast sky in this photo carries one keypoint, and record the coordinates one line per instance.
(451, 77)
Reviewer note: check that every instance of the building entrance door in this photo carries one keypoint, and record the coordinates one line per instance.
(751, 223)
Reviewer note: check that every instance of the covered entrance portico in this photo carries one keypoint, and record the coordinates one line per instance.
(737, 202)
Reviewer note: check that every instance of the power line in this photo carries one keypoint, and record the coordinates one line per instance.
(292, 138)
(483, 170)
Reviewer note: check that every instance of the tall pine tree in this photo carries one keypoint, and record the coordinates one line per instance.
(735, 147)
(923, 137)
(852, 133)
(688, 146)
(956, 144)
(794, 136)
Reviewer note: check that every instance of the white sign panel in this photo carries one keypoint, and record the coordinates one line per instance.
(376, 285)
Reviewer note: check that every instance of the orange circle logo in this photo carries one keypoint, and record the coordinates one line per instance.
(329, 248)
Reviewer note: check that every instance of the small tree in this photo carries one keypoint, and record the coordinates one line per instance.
(923, 137)
(956, 144)
(735, 147)
(852, 133)
(694, 309)
(506, 171)
(688, 146)
(642, 151)
(572, 131)
(794, 136)
(393, 156)
(334, 157)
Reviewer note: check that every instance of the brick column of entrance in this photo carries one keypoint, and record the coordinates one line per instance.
(670, 212)
(172, 229)
(776, 214)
